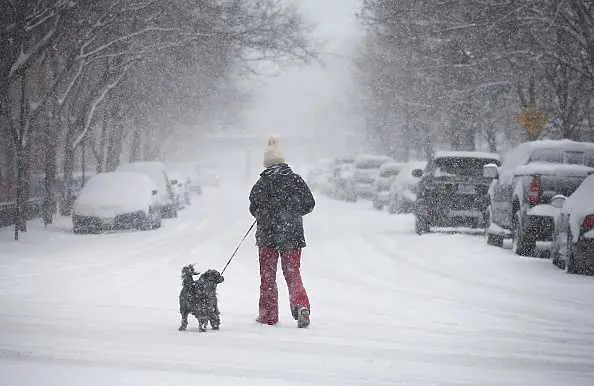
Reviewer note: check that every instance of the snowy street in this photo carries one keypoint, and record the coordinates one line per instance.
(388, 306)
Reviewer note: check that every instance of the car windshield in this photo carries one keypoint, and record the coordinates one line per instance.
(460, 166)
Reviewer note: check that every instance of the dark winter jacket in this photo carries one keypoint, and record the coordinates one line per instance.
(278, 201)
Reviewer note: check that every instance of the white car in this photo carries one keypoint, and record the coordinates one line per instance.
(366, 170)
(403, 192)
(117, 200)
(158, 173)
(573, 236)
(319, 176)
(385, 177)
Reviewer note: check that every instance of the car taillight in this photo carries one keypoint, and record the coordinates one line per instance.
(588, 223)
(534, 191)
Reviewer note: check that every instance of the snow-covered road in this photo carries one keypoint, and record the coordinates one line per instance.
(388, 307)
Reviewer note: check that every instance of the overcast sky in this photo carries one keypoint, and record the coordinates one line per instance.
(312, 99)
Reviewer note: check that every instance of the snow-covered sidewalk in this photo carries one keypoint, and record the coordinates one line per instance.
(388, 306)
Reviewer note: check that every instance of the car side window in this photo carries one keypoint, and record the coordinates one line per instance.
(546, 155)
(575, 157)
(589, 159)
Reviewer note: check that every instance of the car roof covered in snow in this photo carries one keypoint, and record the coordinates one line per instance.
(121, 187)
(391, 166)
(466, 154)
(372, 160)
(522, 153)
(556, 169)
(154, 169)
(564, 144)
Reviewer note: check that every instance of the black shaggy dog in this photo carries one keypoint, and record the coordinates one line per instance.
(199, 298)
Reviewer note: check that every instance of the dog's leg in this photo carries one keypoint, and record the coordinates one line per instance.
(215, 320)
(202, 324)
(184, 320)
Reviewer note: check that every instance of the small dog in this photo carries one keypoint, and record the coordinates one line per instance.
(199, 298)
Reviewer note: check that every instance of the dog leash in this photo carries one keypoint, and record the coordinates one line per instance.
(239, 245)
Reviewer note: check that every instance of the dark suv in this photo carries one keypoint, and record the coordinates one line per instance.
(453, 191)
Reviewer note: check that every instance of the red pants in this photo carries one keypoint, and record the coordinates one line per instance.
(290, 263)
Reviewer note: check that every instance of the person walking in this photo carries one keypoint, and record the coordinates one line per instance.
(279, 200)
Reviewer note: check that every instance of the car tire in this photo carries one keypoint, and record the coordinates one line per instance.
(521, 244)
(492, 239)
(392, 208)
(170, 211)
(351, 197)
(421, 225)
(495, 240)
(570, 263)
(555, 255)
(396, 205)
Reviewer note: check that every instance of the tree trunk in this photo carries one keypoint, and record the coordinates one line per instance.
(50, 168)
(67, 196)
(114, 149)
(100, 152)
(491, 138)
(135, 146)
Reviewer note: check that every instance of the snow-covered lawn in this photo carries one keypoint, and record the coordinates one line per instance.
(388, 306)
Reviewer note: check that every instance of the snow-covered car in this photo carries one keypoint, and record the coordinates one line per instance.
(366, 170)
(403, 192)
(117, 200)
(319, 176)
(342, 182)
(573, 237)
(522, 189)
(384, 179)
(453, 190)
(158, 173)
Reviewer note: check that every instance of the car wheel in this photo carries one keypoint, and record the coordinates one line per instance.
(495, 240)
(555, 255)
(570, 263)
(521, 244)
(492, 239)
(421, 225)
(392, 208)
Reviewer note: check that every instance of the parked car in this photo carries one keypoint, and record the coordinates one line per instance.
(158, 173)
(366, 170)
(319, 176)
(342, 182)
(384, 179)
(342, 173)
(522, 189)
(452, 190)
(117, 200)
(181, 189)
(403, 191)
(573, 236)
